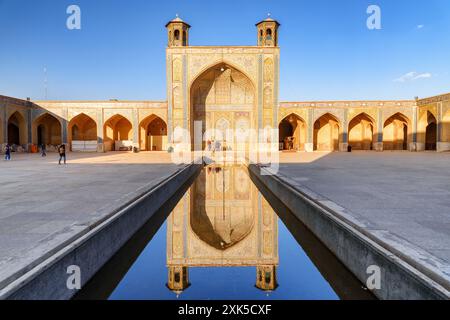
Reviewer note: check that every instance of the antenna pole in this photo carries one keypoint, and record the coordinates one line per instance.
(45, 82)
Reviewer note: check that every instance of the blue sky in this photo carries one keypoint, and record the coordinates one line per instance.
(327, 52)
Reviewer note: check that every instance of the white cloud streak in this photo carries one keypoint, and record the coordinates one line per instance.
(412, 76)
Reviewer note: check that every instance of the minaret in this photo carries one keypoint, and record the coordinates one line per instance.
(266, 278)
(178, 33)
(178, 279)
(268, 32)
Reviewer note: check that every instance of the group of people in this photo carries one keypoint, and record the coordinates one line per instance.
(61, 152)
(214, 145)
(287, 144)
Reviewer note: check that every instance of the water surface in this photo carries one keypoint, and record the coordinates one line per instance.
(223, 238)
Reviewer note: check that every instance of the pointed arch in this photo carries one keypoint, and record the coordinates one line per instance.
(17, 129)
(427, 131)
(47, 130)
(221, 85)
(219, 229)
(118, 133)
(361, 132)
(82, 133)
(396, 132)
(218, 64)
(326, 133)
(431, 133)
(153, 133)
(1, 132)
(363, 115)
(445, 136)
(292, 133)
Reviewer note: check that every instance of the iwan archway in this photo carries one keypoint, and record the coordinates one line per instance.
(47, 130)
(83, 133)
(444, 144)
(292, 133)
(218, 225)
(361, 132)
(1, 132)
(326, 133)
(17, 129)
(427, 131)
(396, 132)
(118, 134)
(223, 99)
(153, 134)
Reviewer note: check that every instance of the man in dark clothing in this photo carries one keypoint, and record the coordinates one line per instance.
(8, 152)
(62, 153)
(43, 150)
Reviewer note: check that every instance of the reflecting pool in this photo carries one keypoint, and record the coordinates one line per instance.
(223, 238)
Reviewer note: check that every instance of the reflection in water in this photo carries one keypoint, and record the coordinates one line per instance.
(222, 221)
(222, 236)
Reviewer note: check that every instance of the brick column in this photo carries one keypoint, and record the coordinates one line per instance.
(378, 145)
(64, 126)
(29, 128)
(343, 145)
(415, 145)
(309, 145)
(100, 138)
(4, 126)
(136, 129)
(441, 145)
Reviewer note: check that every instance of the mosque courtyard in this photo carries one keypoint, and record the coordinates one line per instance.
(390, 191)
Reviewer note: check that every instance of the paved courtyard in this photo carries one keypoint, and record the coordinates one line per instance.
(42, 204)
(407, 194)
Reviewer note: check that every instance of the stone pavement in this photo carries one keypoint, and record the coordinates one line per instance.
(407, 194)
(43, 204)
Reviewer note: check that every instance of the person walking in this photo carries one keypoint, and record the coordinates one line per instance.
(62, 153)
(213, 146)
(8, 152)
(43, 150)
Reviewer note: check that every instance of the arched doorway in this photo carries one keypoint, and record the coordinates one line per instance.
(395, 132)
(223, 95)
(118, 134)
(426, 131)
(292, 133)
(431, 133)
(83, 133)
(1, 132)
(361, 132)
(326, 133)
(153, 134)
(17, 129)
(47, 130)
(445, 132)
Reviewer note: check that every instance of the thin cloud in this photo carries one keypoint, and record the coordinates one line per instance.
(420, 26)
(423, 76)
(412, 76)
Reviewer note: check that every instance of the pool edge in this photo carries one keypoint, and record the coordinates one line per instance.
(92, 249)
(355, 247)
